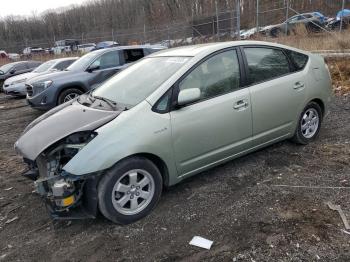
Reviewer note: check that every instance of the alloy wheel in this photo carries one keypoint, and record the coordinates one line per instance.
(133, 192)
(70, 96)
(310, 123)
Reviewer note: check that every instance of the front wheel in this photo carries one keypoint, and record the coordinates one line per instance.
(309, 124)
(130, 190)
(68, 94)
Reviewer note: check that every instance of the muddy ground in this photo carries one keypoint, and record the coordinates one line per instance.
(238, 205)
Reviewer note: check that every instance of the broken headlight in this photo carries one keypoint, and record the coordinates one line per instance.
(61, 191)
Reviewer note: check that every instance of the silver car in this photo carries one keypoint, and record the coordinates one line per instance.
(169, 116)
(15, 85)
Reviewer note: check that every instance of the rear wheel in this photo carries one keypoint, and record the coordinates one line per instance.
(130, 190)
(309, 124)
(68, 94)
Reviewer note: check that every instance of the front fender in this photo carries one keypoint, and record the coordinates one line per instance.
(138, 130)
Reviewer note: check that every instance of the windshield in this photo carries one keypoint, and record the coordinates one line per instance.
(82, 62)
(5, 68)
(138, 81)
(44, 67)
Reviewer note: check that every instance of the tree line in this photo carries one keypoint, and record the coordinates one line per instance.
(141, 17)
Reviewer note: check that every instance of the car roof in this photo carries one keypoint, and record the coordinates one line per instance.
(194, 50)
(127, 47)
(64, 59)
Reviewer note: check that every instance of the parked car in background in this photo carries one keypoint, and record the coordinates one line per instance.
(170, 116)
(16, 85)
(343, 17)
(17, 68)
(3, 54)
(86, 48)
(48, 91)
(66, 45)
(14, 56)
(30, 51)
(313, 22)
(105, 44)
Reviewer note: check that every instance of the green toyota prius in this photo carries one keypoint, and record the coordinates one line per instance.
(169, 116)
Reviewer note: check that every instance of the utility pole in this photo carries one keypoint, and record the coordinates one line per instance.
(341, 17)
(238, 10)
(217, 20)
(287, 15)
(257, 15)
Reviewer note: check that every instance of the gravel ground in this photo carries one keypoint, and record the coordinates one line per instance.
(239, 205)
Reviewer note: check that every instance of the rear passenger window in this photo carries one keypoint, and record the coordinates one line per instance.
(63, 65)
(265, 64)
(21, 67)
(132, 55)
(299, 60)
(216, 76)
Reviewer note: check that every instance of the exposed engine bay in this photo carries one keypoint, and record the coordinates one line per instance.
(61, 190)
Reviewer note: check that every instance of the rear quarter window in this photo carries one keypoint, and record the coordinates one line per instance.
(298, 59)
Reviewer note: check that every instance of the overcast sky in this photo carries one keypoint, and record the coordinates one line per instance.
(27, 7)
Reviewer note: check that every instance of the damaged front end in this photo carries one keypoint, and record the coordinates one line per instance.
(50, 142)
(66, 195)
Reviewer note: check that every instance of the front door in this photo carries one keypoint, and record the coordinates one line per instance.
(219, 125)
(108, 65)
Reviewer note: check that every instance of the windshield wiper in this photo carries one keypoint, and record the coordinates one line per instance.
(110, 102)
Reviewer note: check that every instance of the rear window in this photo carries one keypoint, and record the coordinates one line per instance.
(132, 55)
(299, 60)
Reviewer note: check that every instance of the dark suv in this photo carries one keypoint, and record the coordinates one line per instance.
(45, 92)
(16, 68)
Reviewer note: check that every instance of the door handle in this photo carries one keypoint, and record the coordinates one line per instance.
(240, 104)
(298, 85)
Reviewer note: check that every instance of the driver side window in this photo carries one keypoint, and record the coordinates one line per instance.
(107, 60)
(216, 76)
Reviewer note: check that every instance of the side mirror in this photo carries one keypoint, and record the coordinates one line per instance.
(93, 68)
(188, 96)
(12, 71)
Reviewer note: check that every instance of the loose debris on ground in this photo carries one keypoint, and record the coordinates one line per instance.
(236, 205)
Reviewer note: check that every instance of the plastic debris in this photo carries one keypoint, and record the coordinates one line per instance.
(8, 189)
(11, 220)
(341, 213)
(201, 242)
(346, 232)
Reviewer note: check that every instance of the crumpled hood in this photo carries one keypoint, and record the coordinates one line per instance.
(58, 123)
(25, 76)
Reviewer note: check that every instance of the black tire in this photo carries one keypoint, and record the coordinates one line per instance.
(276, 32)
(66, 92)
(299, 137)
(112, 176)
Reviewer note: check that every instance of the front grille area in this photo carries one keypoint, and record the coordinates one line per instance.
(29, 89)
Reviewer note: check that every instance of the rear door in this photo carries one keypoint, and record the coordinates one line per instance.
(277, 92)
(219, 125)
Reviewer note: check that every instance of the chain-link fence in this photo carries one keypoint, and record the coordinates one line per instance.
(221, 24)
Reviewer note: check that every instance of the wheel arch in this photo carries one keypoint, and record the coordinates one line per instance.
(159, 162)
(320, 103)
(76, 86)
